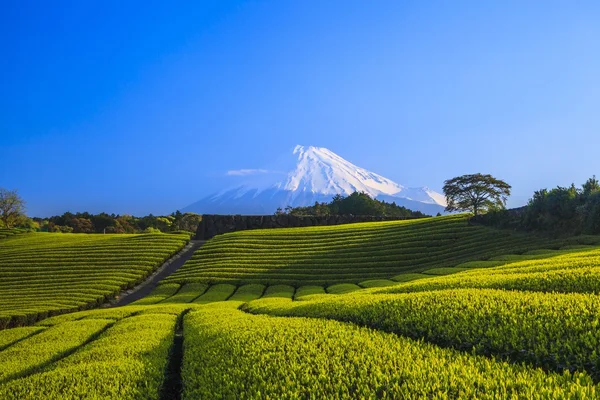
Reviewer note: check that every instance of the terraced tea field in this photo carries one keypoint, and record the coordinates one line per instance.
(44, 274)
(502, 315)
(353, 253)
(10, 232)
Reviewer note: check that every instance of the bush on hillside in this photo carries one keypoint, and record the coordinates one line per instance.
(358, 203)
(562, 209)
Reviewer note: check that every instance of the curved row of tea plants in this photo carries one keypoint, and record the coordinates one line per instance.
(121, 355)
(570, 271)
(4, 232)
(43, 274)
(329, 255)
(230, 354)
(124, 352)
(554, 331)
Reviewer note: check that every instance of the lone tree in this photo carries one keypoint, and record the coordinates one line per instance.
(12, 207)
(475, 193)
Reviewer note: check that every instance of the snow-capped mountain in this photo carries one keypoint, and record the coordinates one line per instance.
(311, 174)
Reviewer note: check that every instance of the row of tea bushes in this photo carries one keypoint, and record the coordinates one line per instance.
(44, 274)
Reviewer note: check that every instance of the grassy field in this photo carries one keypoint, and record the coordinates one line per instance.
(352, 253)
(519, 319)
(42, 274)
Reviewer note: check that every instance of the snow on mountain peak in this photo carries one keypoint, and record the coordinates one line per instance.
(319, 170)
(311, 174)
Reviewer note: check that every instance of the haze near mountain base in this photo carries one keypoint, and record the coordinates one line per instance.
(307, 175)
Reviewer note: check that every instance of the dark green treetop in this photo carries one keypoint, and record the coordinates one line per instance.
(475, 193)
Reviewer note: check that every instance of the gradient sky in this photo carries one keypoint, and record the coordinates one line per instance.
(142, 107)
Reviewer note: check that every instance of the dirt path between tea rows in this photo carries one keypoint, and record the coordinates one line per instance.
(171, 265)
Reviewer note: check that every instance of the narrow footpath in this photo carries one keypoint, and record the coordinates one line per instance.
(171, 265)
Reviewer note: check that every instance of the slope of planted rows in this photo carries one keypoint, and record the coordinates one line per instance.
(4, 233)
(43, 274)
(127, 353)
(349, 253)
(544, 311)
(514, 325)
(99, 354)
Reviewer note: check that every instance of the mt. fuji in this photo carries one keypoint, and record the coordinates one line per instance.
(311, 174)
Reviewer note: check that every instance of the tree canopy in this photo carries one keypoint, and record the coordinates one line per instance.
(12, 207)
(357, 203)
(563, 210)
(476, 193)
(110, 223)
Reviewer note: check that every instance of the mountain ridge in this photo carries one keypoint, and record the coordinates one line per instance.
(312, 174)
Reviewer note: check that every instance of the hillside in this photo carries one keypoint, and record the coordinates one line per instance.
(486, 314)
(44, 274)
(351, 253)
(306, 175)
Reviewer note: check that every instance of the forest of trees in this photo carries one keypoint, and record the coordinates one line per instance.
(12, 215)
(357, 203)
(569, 210)
(111, 223)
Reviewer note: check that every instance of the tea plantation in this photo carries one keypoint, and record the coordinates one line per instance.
(432, 308)
(352, 253)
(44, 274)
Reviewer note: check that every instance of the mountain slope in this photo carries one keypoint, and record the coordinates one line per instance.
(312, 174)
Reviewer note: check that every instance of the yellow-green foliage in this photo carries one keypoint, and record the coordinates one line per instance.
(44, 274)
(229, 354)
(576, 272)
(34, 352)
(409, 277)
(127, 361)
(160, 293)
(9, 337)
(101, 313)
(342, 288)
(444, 271)
(248, 292)
(282, 291)
(554, 331)
(4, 233)
(352, 253)
(480, 333)
(187, 293)
(219, 292)
(304, 292)
(371, 283)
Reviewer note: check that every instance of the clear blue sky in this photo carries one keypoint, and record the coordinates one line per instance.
(139, 107)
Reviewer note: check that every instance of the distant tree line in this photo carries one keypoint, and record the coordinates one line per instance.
(571, 210)
(111, 223)
(12, 215)
(358, 203)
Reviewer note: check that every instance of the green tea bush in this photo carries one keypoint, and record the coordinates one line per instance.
(187, 293)
(353, 253)
(219, 292)
(127, 361)
(229, 354)
(53, 343)
(554, 331)
(248, 292)
(45, 274)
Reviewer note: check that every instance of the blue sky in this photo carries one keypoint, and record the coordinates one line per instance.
(139, 107)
